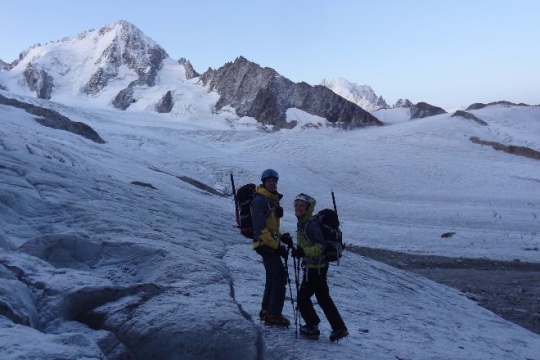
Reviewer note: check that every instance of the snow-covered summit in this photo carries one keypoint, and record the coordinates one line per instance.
(362, 95)
(87, 63)
(121, 39)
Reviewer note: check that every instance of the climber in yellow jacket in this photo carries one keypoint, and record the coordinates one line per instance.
(270, 243)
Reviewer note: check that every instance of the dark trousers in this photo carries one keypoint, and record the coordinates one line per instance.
(276, 281)
(315, 283)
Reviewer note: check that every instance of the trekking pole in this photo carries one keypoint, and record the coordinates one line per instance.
(290, 289)
(296, 315)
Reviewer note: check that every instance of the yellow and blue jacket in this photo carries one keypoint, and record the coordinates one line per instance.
(264, 218)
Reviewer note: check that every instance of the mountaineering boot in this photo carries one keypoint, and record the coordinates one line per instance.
(262, 315)
(337, 335)
(276, 320)
(311, 332)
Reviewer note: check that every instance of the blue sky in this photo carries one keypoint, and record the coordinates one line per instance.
(447, 53)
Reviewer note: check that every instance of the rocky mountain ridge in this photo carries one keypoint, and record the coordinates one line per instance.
(120, 64)
(403, 103)
(265, 95)
(423, 109)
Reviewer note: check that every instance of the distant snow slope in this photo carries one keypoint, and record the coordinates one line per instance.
(95, 266)
(393, 116)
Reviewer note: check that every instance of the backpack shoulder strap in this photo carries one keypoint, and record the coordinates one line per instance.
(260, 198)
(313, 219)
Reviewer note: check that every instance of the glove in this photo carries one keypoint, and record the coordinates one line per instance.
(283, 251)
(298, 252)
(287, 239)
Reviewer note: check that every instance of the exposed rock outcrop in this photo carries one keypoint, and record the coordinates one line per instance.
(98, 81)
(401, 103)
(38, 80)
(55, 120)
(422, 110)
(469, 116)
(166, 103)
(125, 97)
(4, 66)
(190, 72)
(381, 103)
(511, 149)
(265, 95)
(477, 106)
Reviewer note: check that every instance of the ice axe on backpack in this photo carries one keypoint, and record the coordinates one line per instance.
(236, 211)
(333, 199)
(335, 209)
(242, 207)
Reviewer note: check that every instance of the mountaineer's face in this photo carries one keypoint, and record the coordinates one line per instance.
(300, 208)
(270, 184)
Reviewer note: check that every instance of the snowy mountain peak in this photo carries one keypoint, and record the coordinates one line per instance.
(89, 61)
(122, 32)
(130, 42)
(118, 65)
(362, 95)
